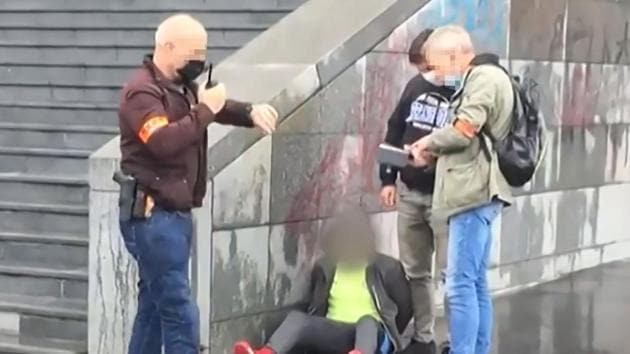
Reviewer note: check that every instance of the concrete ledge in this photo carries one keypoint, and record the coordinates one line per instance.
(285, 86)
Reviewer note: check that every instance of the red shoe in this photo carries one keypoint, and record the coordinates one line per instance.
(245, 348)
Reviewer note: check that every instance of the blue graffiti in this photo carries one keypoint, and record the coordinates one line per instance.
(486, 20)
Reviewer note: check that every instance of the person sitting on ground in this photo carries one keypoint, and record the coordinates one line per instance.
(360, 301)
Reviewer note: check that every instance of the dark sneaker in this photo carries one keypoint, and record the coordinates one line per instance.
(445, 348)
(420, 348)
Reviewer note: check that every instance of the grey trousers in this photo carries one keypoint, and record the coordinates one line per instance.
(418, 239)
(321, 335)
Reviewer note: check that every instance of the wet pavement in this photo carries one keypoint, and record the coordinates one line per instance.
(586, 313)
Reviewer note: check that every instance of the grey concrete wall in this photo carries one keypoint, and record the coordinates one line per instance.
(269, 196)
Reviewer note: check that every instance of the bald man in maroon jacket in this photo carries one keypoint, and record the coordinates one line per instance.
(164, 118)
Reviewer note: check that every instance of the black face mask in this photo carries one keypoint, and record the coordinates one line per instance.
(189, 72)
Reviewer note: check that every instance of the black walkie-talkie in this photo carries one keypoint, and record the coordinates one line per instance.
(210, 84)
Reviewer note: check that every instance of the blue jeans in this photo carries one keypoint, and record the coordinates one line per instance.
(469, 303)
(167, 314)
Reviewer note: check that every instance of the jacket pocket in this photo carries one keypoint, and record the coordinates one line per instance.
(467, 183)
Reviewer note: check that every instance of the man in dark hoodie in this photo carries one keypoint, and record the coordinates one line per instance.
(423, 108)
(359, 300)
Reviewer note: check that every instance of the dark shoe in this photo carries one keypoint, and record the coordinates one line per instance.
(416, 347)
(445, 348)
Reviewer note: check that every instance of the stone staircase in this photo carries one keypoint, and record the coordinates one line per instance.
(61, 66)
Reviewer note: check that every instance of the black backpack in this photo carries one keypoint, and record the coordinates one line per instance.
(522, 150)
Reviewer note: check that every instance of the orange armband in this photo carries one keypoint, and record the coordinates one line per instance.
(467, 129)
(150, 126)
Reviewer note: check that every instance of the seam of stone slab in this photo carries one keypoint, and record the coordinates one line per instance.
(558, 254)
(68, 240)
(256, 313)
(39, 272)
(524, 287)
(577, 188)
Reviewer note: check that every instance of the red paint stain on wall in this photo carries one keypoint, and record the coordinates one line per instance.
(580, 97)
(348, 163)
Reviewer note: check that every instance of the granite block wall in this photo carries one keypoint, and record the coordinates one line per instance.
(570, 218)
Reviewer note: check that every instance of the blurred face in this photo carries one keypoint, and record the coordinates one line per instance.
(351, 241)
(449, 63)
(187, 56)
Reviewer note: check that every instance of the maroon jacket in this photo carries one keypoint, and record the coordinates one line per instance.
(163, 137)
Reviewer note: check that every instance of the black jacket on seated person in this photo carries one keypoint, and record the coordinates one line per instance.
(388, 286)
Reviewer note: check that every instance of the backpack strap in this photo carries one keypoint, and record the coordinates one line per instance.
(485, 130)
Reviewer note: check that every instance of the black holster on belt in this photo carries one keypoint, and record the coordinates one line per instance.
(131, 198)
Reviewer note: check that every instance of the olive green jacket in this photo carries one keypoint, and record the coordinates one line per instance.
(465, 179)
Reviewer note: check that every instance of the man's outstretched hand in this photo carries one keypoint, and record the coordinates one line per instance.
(264, 117)
(421, 157)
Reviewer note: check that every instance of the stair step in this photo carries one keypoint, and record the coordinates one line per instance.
(31, 280)
(44, 317)
(72, 240)
(56, 128)
(16, 344)
(182, 5)
(55, 136)
(64, 75)
(112, 37)
(52, 162)
(45, 208)
(62, 113)
(33, 192)
(78, 56)
(44, 306)
(129, 20)
(44, 271)
(45, 219)
(28, 191)
(18, 91)
(47, 255)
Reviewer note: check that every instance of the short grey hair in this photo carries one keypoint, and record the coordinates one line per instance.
(451, 37)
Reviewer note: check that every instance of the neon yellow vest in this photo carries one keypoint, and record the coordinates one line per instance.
(349, 297)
